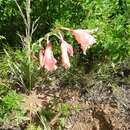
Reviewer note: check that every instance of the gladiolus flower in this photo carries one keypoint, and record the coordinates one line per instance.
(41, 58)
(65, 50)
(49, 60)
(84, 38)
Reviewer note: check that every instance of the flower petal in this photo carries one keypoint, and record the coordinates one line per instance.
(65, 49)
(84, 38)
(49, 60)
(68, 46)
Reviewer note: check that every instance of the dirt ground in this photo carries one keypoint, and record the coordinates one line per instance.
(96, 116)
(101, 107)
(99, 110)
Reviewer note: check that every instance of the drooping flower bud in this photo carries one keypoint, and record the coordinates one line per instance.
(41, 58)
(65, 50)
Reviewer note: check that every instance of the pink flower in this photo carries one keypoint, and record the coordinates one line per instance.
(84, 38)
(65, 50)
(49, 60)
(41, 58)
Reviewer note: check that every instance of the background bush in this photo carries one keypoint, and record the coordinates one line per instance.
(111, 16)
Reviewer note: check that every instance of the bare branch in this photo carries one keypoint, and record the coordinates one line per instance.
(21, 12)
(34, 26)
(21, 38)
(34, 29)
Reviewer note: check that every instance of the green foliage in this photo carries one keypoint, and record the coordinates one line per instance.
(63, 109)
(18, 65)
(112, 17)
(4, 87)
(4, 71)
(43, 119)
(10, 108)
(2, 37)
(8, 17)
(55, 115)
(33, 127)
(9, 100)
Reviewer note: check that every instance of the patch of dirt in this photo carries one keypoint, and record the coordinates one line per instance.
(101, 108)
(97, 117)
(100, 111)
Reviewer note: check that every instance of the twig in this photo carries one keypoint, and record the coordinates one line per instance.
(21, 38)
(21, 12)
(34, 26)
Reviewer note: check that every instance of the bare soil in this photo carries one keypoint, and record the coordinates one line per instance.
(101, 107)
(99, 110)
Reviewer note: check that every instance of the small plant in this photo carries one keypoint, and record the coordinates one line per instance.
(43, 120)
(55, 116)
(23, 66)
(30, 28)
(10, 108)
(4, 71)
(18, 66)
(33, 127)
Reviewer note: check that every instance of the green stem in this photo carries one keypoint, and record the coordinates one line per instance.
(54, 32)
(29, 40)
